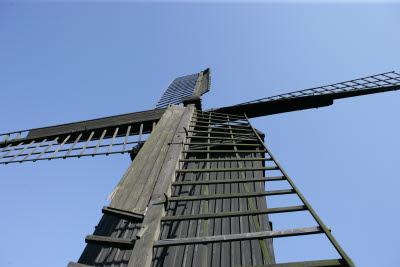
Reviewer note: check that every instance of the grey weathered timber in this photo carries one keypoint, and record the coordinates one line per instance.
(132, 193)
(238, 237)
(123, 214)
(110, 241)
(229, 169)
(230, 181)
(142, 252)
(233, 195)
(74, 264)
(226, 159)
(233, 214)
(319, 263)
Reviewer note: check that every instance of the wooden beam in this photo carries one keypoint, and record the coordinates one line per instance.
(319, 263)
(233, 213)
(238, 237)
(228, 181)
(123, 214)
(229, 169)
(110, 241)
(233, 195)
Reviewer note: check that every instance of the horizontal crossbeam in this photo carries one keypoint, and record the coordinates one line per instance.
(229, 181)
(233, 214)
(228, 169)
(233, 195)
(110, 241)
(238, 237)
(223, 144)
(225, 159)
(319, 263)
(223, 151)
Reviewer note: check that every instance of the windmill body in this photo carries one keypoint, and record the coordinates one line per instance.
(195, 192)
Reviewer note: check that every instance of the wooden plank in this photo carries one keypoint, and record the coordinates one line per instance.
(128, 183)
(153, 170)
(243, 129)
(128, 131)
(226, 159)
(233, 195)
(229, 181)
(30, 153)
(123, 214)
(318, 263)
(142, 252)
(73, 145)
(138, 197)
(74, 264)
(112, 140)
(223, 151)
(87, 142)
(100, 140)
(47, 148)
(11, 150)
(19, 153)
(228, 169)
(238, 237)
(110, 241)
(222, 138)
(222, 144)
(233, 214)
(225, 133)
(59, 147)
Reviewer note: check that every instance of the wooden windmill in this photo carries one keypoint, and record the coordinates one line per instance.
(196, 191)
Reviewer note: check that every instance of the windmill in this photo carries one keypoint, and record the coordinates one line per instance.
(195, 192)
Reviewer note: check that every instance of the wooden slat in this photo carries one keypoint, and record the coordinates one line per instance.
(59, 147)
(233, 195)
(19, 153)
(128, 131)
(30, 153)
(217, 132)
(47, 148)
(73, 145)
(228, 169)
(222, 144)
(318, 263)
(112, 140)
(229, 181)
(11, 150)
(74, 264)
(223, 151)
(87, 142)
(123, 214)
(238, 237)
(243, 129)
(100, 140)
(233, 214)
(110, 241)
(225, 159)
(222, 138)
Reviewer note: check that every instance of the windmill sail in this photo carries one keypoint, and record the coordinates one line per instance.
(184, 87)
(103, 136)
(315, 97)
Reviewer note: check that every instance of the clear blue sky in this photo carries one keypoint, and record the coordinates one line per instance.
(65, 62)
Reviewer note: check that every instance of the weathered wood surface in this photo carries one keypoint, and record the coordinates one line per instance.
(238, 237)
(143, 250)
(134, 190)
(110, 241)
(319, 263)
